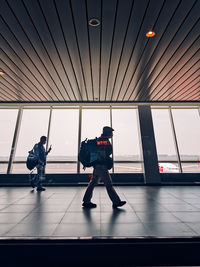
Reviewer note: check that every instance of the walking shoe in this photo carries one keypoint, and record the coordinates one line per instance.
(41, 189)
(89, 205)
(32, 183)
(121, 203)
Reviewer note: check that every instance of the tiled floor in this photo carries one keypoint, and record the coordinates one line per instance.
(57, 212)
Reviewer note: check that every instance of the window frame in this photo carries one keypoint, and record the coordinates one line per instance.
(80, 107)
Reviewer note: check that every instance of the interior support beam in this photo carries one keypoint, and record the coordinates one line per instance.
(150, 160)
(15, 138)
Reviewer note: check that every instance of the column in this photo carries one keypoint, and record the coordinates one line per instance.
(150, 160)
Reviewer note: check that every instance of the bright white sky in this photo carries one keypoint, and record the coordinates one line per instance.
(64, 130)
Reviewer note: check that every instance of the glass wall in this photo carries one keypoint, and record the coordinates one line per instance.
(65, 128)
(126, 144)
(8, 119)
(64, 140)
(34, 124)
(165, 145)
(187, 128)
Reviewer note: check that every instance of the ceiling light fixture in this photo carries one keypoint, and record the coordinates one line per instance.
(150, 33)
(94, 22)
(2, 72)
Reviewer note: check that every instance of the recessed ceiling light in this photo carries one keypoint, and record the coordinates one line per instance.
(2, 72)
(150, 34)
(94, 22)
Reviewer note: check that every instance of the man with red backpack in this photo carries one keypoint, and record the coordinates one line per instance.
(101, 167)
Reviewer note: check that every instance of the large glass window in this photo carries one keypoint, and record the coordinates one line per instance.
(64, 139)
(93, 121)
(8, 119)
(165, 144)
(126, 140)
(34, 124)
(187, 127)
(64, 130)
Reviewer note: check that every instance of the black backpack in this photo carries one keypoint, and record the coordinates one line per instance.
(31, 161)
(88, 154)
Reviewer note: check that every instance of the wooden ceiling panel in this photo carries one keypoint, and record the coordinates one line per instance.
(50, 53)
(138, 10)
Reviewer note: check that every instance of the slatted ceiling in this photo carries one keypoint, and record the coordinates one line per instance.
(22, 78)
(151, 68)
(7, 96)
(173, 39)
(79, 52)
(70, 49)
(174, 61)
(193, 91)
(94, 11)
(141, 57)
(188, 88)
(175, 84)
(50, 53)
(23, 75)
(155, 47)
(188, 77)
(164, 58)
(135, 55)
(191, 87)
(138, 11)
(195, 95)
(22, 58)
(8, 85)
(110, 9)
(79, 20)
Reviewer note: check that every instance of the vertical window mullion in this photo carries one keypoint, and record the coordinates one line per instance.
(79, 137)
(15, 139)
(49, 128)
(111, 125)
(175, 140)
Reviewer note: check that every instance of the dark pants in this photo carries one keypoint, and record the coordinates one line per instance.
(101, 172)
(40, 175)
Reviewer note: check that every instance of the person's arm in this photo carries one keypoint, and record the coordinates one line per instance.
(49, 150)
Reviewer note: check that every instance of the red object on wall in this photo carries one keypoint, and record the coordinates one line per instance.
(90, 176)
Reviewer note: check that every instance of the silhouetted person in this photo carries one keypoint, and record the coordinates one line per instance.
(41, 154)
(101, 171)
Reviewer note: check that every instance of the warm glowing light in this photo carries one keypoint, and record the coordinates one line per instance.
(150, 34)
(2, 72)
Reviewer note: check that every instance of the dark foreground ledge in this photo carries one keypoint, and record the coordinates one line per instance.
(139, 251)
(118, 179)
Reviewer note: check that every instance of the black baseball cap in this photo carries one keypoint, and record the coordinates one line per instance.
(107, 130)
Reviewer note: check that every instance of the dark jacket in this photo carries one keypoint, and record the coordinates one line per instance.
(40, 152)
(104, 152)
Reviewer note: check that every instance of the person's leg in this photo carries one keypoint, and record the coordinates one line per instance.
(37, 177)
(89, 191)
(41, 173)
(106, 178)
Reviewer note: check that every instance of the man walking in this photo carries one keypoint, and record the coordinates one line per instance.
(101, 168)
(40, 154)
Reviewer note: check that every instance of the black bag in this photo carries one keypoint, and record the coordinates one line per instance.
(88, 154)
(32, 160)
